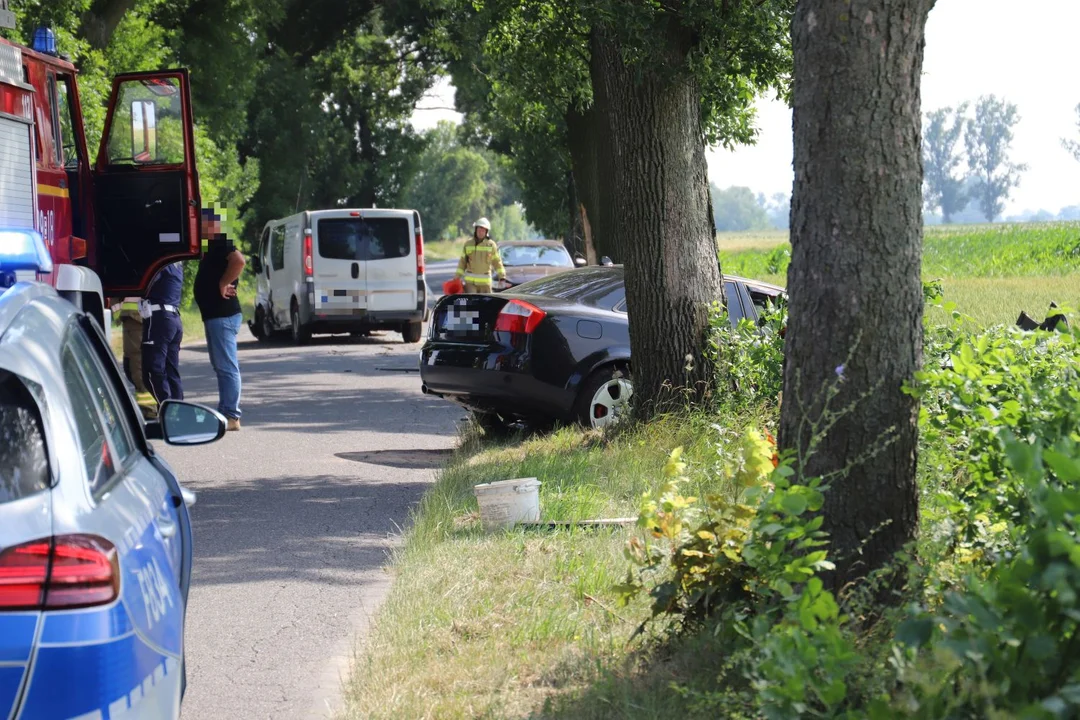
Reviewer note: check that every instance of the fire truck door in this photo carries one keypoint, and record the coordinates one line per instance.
(146, 192)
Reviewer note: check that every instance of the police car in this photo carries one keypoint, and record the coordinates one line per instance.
(95, 538)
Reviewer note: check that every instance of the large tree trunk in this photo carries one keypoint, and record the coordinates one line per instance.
(854, 279)
(660, 202)
(101, 20)
(590, 160)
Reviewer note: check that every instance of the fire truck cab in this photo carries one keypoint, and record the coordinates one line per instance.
(111, 223)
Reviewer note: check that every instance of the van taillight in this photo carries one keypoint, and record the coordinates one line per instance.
(419, 253)
(518, 316)
(67, 571)
(309, 267)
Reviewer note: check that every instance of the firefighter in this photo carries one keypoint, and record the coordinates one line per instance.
(479, 258)
(162, 333)
(132, 323)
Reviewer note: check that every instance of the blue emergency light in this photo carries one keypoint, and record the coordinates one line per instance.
(44, 41)
(24, 250)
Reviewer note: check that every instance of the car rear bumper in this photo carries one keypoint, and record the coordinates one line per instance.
(491, 378)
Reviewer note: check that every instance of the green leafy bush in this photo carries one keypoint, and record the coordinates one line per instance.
(750, 358)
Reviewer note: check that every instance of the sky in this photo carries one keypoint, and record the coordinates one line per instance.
(1023, 51)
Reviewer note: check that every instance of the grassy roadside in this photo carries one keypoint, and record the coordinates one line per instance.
(525, 622)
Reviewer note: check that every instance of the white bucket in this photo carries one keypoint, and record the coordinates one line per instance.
(504, 503)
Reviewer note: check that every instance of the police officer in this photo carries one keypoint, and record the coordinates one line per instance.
(162, 333)
(479, 258)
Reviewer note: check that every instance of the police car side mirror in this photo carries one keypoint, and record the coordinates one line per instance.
(184, 423)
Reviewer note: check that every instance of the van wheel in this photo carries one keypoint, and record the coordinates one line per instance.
(267, 325)
(300, 334)
(412, 332)
(257, 328)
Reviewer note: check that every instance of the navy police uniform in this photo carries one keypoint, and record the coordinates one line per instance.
(162, 333)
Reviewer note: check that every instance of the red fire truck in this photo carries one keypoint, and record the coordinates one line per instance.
(110, 223)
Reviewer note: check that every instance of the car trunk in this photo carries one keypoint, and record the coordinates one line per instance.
(467, 318)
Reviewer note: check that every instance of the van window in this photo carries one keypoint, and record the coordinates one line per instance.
(277, 247)
(362, 239)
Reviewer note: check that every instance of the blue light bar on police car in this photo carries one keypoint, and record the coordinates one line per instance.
(24, 250)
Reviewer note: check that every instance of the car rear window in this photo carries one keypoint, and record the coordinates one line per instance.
(545, 255)
(363, 239)
(598, 286)
(24, 461)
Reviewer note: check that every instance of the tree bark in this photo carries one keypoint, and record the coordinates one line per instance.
(856, 299)
(660, 202)
(101, 20)
(590, 161)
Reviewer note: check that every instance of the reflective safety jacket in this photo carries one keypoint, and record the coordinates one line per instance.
(478, 260)
(129, 308)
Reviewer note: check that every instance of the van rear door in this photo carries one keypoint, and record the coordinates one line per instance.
(391, 264)
(340, 251)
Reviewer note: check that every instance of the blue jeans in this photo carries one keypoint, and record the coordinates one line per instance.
(221, 341)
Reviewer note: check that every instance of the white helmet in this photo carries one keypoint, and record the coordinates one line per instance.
(484, 223)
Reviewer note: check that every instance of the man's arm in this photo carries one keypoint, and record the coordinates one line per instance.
(236, 263)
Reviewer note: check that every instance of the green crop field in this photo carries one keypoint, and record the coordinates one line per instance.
(991, 272)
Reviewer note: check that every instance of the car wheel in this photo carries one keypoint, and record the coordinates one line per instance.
(412, 332)
(300, 334)
(605, 397)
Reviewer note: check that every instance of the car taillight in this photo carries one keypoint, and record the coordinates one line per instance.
(68, 571)
(419, 253)
(308, 264)
(518, 316)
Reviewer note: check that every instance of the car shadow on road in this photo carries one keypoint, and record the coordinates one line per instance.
(322, 529)
(401, 459)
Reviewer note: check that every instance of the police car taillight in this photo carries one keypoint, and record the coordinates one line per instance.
(67, 571)
(518, 316)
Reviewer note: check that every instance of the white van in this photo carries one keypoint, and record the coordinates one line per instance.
(341, 271)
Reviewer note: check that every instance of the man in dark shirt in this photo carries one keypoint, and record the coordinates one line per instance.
(162, 333)
(215, 294)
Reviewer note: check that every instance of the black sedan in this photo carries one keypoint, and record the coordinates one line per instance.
(557, 348)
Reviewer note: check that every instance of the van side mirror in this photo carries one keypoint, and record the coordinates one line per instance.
(256, 265)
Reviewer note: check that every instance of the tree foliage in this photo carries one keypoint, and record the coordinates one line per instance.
(988, 138)
(449, 184)
(736, 209)
(942, 161)
(1073, 146)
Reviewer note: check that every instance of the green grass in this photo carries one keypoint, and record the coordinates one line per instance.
(503, 624)
(991, 272)
(443, 249)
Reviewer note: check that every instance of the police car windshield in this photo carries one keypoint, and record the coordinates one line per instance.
(24, 465)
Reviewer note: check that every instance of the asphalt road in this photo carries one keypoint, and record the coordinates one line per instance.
(296, 515)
